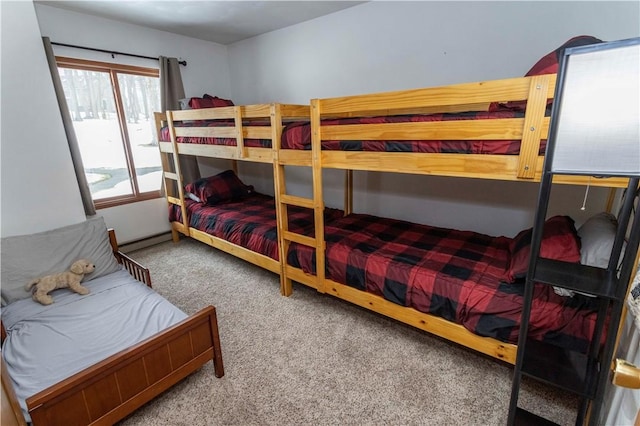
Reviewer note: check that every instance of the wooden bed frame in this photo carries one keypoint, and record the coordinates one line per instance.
(115, 387)
(278, 115)
(525, 167)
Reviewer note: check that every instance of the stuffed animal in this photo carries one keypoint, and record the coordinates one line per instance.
(71, 279)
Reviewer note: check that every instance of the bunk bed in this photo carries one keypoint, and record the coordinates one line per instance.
(487, 130)
(88, 374)
(484, 130)
(237, 133)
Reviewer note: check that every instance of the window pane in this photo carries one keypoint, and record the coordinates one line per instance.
(93, 110)
(140, 98)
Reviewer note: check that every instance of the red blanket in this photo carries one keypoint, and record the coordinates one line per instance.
(457, 275)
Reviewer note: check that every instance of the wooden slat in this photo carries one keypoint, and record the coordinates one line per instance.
(256, 111)
(204, 114)
(497, 129)
(466, 93)
(292, 200)
(257, 132)
(173, 200)
(432, 324)
(255, 154)
(298, 238)
(238, 251)
(170, 175)
(463, 165)
(165, 147)
(300, 276)
(295, 157)
(294, 112)
(206, 132)
(533, 129)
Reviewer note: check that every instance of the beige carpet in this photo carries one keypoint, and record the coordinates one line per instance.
(311, 359)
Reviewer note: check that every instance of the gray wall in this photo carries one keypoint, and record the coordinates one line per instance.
(38, 187)
(382, 46)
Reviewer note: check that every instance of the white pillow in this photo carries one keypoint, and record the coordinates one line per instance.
(596, 241)
(596, 237)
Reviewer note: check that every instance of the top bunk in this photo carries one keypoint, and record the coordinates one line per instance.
(234, 132)
(488, 130)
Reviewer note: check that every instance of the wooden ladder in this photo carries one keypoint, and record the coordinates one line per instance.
(171, 173)
(283, 201)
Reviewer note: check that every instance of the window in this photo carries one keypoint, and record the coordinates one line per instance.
(112, 110)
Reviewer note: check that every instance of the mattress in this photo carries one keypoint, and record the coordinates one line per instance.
(456, 275)
(47, 344)
(249, 223)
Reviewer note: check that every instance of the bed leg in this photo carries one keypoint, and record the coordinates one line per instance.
(217, 350)
(175, 236)
(286, 288)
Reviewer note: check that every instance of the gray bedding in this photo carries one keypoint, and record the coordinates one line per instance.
(46, 344)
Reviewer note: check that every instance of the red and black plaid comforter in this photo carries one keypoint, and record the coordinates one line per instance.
(297, 135)
(259, 143)
(249, 223)
(457, 275)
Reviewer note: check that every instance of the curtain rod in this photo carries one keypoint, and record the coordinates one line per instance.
(112, 52)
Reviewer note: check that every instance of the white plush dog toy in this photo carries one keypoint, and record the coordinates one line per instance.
(70, 279)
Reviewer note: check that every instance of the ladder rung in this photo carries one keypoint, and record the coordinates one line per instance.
(296, 201)
(298, 238)
(174, 200)
(171, 175)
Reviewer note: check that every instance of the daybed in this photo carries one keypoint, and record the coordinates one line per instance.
(93, 359)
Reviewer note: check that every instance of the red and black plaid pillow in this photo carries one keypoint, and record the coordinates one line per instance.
(225, 186)
(560, 241)
(548, 64)
(208, 101)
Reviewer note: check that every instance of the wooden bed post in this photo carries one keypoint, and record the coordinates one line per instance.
(280, 188)
(178, 173)
(318, 198)
(539, 90)
(348, 192)
(237, 113)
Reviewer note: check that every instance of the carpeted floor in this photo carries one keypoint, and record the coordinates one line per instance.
(311, 359)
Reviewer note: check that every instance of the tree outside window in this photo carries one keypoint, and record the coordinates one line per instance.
(112, 110)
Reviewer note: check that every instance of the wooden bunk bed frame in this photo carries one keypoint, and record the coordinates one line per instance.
(525, 167)
(115, 387)
(278, 115)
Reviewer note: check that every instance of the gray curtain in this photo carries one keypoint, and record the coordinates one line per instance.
(171, 91)
(74, 148)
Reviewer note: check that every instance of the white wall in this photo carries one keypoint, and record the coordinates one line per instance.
(382, 46)
(206, 72)
(38, 189)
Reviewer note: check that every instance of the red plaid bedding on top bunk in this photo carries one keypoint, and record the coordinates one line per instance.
(457, 275)
(259, 143)
(299, 135)
(249, 223)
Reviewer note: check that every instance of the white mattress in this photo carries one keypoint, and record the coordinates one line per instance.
(46, 344)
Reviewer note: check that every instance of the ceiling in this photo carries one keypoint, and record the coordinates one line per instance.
(223, 22)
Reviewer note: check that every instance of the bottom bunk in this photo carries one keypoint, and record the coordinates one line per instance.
(464, 286)
(95, 358)
(245, 227)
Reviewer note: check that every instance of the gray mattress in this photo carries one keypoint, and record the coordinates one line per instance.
(46, 344)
